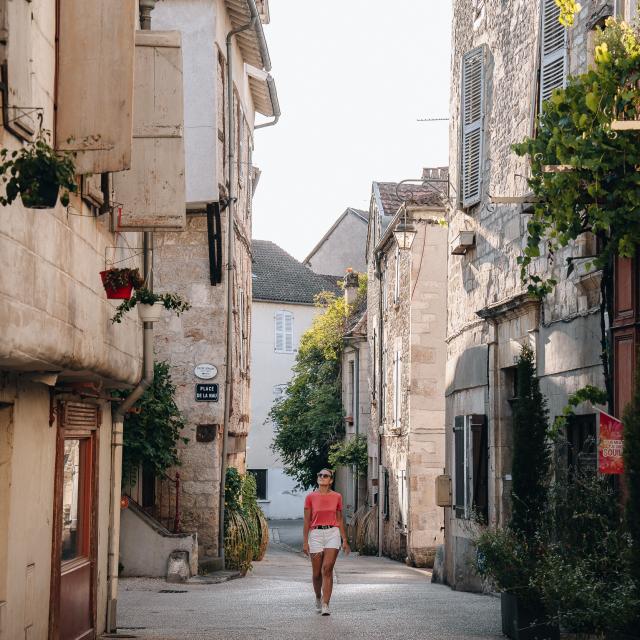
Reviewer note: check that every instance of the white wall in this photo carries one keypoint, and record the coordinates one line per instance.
(269, 369)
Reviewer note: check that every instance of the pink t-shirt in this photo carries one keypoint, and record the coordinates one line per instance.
(323, 508)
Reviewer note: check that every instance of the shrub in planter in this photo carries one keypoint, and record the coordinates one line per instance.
(119, 283)
(170, 301)
(584, 575)
(38, 174)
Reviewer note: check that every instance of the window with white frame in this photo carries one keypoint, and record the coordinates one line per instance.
(470, 466)
(472, 116)
(403, 500)
(396, 289)
(283, 332)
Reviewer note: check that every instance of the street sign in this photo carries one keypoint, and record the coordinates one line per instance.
(205, 371)
(207, 393)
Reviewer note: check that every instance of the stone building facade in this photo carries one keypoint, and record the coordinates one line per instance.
(195, 264)
(343, 246)
(406, 303)
(284, 296)
(499, 77)
(60, 356)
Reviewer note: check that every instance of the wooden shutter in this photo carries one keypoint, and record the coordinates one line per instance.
(459, 467)
(95, 82)
(152, 192)
(473, 63)
(279, 322)
(15, 35)
(77, 415)
(480, 449)
(553, 51)
(288, 332)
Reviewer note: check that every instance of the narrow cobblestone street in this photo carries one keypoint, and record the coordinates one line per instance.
(373, 598)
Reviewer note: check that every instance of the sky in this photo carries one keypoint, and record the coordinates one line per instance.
(353, 77)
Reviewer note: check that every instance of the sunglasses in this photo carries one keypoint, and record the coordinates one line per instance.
(324, 475)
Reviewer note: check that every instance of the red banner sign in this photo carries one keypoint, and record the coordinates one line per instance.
(610, 442)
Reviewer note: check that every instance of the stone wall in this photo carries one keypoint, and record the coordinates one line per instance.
(414, 320)
(199, 336)
(481, 351)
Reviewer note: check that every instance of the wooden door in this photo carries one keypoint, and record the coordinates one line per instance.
(75, 519)
(625, 330)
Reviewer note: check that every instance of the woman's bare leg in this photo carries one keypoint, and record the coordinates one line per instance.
(316, 564)
(330, 556)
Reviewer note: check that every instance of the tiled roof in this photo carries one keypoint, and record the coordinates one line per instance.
(279, 277)
(412, 193)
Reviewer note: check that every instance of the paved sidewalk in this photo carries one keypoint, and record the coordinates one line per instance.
(373, 598)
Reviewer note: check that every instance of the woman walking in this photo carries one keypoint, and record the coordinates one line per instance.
(323, 527)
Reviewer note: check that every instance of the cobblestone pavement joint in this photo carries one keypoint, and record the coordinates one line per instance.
(373, 598)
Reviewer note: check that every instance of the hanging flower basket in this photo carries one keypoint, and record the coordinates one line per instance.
(151, 305)
(38, 174)
(150, 312)
(119, 283)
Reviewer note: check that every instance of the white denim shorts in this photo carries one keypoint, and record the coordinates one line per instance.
(321, 539)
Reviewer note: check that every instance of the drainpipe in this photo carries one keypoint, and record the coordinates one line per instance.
(255, 20)
(275, 103)
(146, 6)
(356, 417)
(380, 407)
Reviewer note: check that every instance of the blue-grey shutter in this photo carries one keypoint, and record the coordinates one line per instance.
(473, 63)
(553, 51)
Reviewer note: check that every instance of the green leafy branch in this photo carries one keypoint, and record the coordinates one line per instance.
(600, 191)
(352, 452)
(170, 301)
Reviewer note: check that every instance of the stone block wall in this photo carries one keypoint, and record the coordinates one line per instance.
(481, 351)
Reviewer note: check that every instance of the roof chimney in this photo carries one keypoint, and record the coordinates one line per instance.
(350, 286)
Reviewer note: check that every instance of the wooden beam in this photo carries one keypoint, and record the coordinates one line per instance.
(524, 199)
(557, 168)
(625, 125)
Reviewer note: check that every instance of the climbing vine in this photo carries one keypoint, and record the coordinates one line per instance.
(584, 173)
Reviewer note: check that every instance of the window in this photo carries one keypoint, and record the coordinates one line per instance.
(243, 331)
(284, 332)
(553, 51)
(279, 390)
(396, 291)
(261, 482)
(351, 394)
(383, 385)
(471, 466)
(385, 495)
(385, 301)
(471, 153)
(404, 498)
(581, 444)
(397, 390)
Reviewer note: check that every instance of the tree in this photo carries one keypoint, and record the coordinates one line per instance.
(309, 418)
(151, 435)
(531, 449)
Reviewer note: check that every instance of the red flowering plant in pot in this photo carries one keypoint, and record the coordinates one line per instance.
(119, 283)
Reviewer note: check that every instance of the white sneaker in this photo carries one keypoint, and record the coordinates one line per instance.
(325, 609)
(318, 604)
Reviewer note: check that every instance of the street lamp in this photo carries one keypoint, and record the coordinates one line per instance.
(404, 233)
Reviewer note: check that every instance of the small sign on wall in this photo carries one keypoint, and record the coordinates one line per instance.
(207, 393)
(205, 371)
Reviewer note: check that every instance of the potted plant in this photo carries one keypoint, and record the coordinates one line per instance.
(509, 557)
(119, 283)
(150, 305)
(38, 174)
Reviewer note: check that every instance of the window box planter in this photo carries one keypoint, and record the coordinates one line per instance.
(520, 621)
